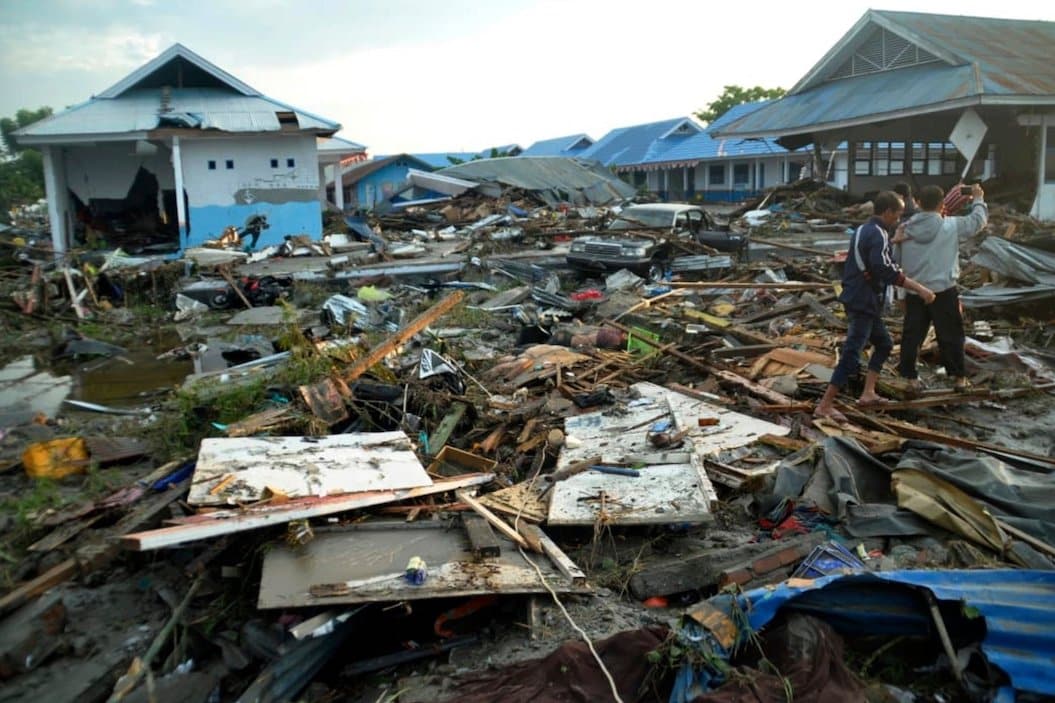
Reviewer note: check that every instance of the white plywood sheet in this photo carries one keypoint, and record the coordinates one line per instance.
(620, 436)
(662, 494)
(235, 470)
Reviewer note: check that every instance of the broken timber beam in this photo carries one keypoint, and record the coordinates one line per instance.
(792, 247)
(446, 427)
(561, 560)
(482, 540)
(415, 326)
(496, 521)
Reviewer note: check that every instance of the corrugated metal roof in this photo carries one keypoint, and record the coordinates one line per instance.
(984, 60)
(443, 159)
(547, 175)
(175, 53)
(571, 145)
(338, 145)
(634, 144)
(139, 111)
(1018, 606)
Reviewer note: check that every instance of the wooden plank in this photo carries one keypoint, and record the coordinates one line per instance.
(300, 467)
(916, 432)
(325, 401)
(31, 589)
(738, 285)
(561, 560)
(417, 325)
(446, 427)
(263, 421)
(496, 521)
(224, 522)
(482, 540)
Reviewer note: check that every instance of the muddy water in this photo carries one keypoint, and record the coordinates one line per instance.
(36, 384)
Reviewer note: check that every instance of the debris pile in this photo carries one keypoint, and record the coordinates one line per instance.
(426, 460)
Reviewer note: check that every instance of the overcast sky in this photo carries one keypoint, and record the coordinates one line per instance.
(447, 75)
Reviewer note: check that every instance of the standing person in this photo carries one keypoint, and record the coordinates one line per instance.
(911, 206)
(930, 247)
(868, 271)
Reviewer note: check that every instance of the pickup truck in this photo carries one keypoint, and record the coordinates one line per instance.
(640, 239)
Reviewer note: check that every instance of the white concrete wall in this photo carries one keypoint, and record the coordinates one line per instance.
(252, 166)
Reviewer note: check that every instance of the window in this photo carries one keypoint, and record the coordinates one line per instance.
(290, 162)
(741, 174)
(795, 169)
(639, 179)
(716, 174)
(1049, 156)
(863, 159)
(274, 163)
(888, 159)
(919, 158)
(229, 164)
(212, 165)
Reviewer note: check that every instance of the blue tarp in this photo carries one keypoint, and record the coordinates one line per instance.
(1018, 607)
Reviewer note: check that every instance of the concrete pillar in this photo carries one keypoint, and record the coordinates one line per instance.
(338, 186)
(181, 210)
(55, 192)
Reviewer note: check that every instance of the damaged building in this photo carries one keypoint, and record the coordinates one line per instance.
(928, 99)
(174, 153)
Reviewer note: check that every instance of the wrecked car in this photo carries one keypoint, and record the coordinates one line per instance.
(640, 239)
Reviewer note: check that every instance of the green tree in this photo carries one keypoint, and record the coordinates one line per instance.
(736, 95)
(21, 168)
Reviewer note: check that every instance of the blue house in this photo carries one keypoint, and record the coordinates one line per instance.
(571, 145)
(368, 183)
(679, 160)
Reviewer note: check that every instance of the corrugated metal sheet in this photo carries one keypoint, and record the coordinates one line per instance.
(552, 177)
(631, 145)
(139, 111)
(1018, 607)
(1000, 59)
(571, 145)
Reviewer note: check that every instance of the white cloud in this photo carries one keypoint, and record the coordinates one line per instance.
(48, 50)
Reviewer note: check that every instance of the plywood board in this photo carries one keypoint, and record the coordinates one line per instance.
(243, 470)
(367, 565)
(662, 494)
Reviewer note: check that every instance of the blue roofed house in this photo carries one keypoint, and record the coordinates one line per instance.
(175, 152)
(571, 145)
(903, 89)
(371, 182)
(443, 159)
(679, 160)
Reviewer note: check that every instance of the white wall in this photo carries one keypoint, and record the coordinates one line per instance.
(252, 166)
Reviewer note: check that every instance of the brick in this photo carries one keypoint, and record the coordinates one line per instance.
(737, 576)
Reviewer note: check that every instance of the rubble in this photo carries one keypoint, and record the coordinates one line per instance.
(333, 439)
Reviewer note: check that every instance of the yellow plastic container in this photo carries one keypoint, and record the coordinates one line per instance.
(56, 458)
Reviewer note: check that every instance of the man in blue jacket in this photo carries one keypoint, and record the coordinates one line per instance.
(930, 253)
(869, 269)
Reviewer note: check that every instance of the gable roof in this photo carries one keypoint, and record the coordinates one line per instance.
(178, 67)
(631, 145)
(443, 159)
(178, 89)
(360, 171)
(897, 64)
(570, 145)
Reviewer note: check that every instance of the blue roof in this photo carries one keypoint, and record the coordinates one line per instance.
(443, 159)
(626, 146)
(571, 145)
(1016, 605)
(973, 61)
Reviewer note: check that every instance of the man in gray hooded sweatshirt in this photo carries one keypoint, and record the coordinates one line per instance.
(930, 253)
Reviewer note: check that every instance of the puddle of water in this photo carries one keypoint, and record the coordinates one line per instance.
(127, 380)
(26, 390)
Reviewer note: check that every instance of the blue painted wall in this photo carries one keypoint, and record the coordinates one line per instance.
(208, 222)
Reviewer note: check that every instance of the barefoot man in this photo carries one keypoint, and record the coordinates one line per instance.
(868, 271)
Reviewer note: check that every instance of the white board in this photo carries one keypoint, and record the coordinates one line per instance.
(303, 466)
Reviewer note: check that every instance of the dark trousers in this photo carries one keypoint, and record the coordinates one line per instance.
(944, 314)
(862, 329)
